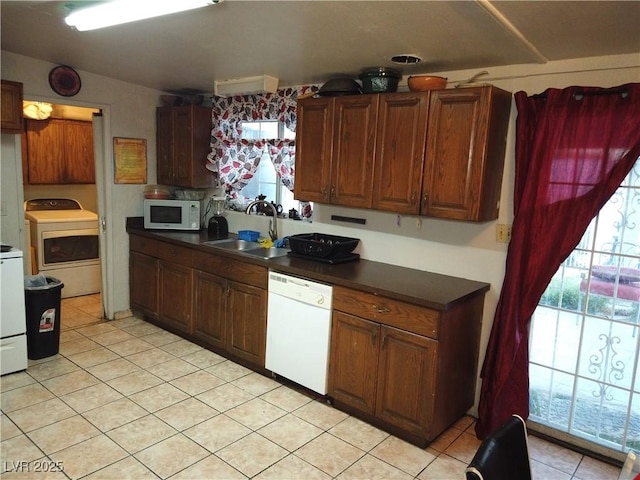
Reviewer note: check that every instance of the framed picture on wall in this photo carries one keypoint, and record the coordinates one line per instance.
(130, 157)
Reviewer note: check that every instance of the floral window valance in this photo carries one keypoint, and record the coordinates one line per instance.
(235, 159)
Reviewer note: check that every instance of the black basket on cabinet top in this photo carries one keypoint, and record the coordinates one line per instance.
(320, 245)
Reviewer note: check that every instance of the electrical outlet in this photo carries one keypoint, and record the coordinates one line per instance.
(503, 233)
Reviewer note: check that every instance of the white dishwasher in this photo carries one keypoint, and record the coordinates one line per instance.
(299, 330)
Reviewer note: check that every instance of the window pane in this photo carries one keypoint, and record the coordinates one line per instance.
(267, 129)
(288, 134)
(263, 182)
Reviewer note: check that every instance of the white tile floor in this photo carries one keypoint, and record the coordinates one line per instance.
(125, 399)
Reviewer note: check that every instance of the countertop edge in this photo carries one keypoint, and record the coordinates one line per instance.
(433, 290)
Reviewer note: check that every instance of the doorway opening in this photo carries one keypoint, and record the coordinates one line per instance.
(59, 161)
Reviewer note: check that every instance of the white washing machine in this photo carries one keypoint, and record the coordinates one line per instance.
(65, 238)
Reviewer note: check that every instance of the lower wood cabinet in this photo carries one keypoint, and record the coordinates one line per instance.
(354, 361)
(406, 378)
(230, 306)
(210, 309)
(408, 368)
(383, 371)
(143, 275)
(404, 367)
(230, 316)
(246, 322)
(175, 286)
(217, 301)
(161, 282)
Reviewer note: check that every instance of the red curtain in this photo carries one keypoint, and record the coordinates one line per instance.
(573, 149)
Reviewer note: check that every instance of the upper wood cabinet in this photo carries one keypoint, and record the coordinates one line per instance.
(337, 139)
(400, 141)
(314, 143)
(353, 149)
(438, 153)
(464, 159)
(58, 152)
(183, 137)
(11, 107)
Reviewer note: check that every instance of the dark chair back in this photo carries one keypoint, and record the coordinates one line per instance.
(503, 455)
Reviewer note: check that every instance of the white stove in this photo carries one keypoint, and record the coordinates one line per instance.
(65, 238)
(13, 322)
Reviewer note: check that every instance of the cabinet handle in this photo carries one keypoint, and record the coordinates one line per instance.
(374, 337)
(384, 340)
(382, 309)
(413, 198)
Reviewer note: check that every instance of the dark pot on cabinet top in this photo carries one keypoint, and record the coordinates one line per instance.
(380, 80)
(340, 86)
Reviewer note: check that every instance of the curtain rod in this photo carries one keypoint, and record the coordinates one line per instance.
(582, 93)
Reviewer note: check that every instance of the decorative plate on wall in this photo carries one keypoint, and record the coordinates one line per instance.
(64, 81)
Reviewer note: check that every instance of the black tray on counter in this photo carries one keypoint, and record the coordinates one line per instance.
(320, 245)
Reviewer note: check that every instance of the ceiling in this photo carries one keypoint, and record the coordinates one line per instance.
(304, 42)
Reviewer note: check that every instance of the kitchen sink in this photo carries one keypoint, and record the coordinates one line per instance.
(249, 248)
(267, 253)
(233, 244)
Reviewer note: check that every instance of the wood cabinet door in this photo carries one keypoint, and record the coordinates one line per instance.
(182, 144)
(247, 322)
(11, 107)
(406, 378)
(200, 177)
(175, 288)
(399, 153)
(143, 284)
(353, 150)
(314, 137)
(183, 138)
(79, 161)
(164, 145)
(60, 152)
(209, 308)
(46, 151)
(353, 361)
(464, 157)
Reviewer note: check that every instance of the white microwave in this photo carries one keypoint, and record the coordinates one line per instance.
(172, 214)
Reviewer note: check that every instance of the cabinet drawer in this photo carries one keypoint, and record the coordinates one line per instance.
(175, 254)
(231, 269)
(405, 316)
(144, 245)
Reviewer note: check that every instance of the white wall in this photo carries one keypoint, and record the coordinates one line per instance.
(448, 247)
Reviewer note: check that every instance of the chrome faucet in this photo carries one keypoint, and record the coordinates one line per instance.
(273, 225)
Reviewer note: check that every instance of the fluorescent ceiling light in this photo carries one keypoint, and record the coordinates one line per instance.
(124, 11)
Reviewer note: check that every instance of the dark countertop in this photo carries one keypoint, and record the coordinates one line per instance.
(433, 290)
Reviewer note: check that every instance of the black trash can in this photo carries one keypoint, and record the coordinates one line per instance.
(42, 307)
